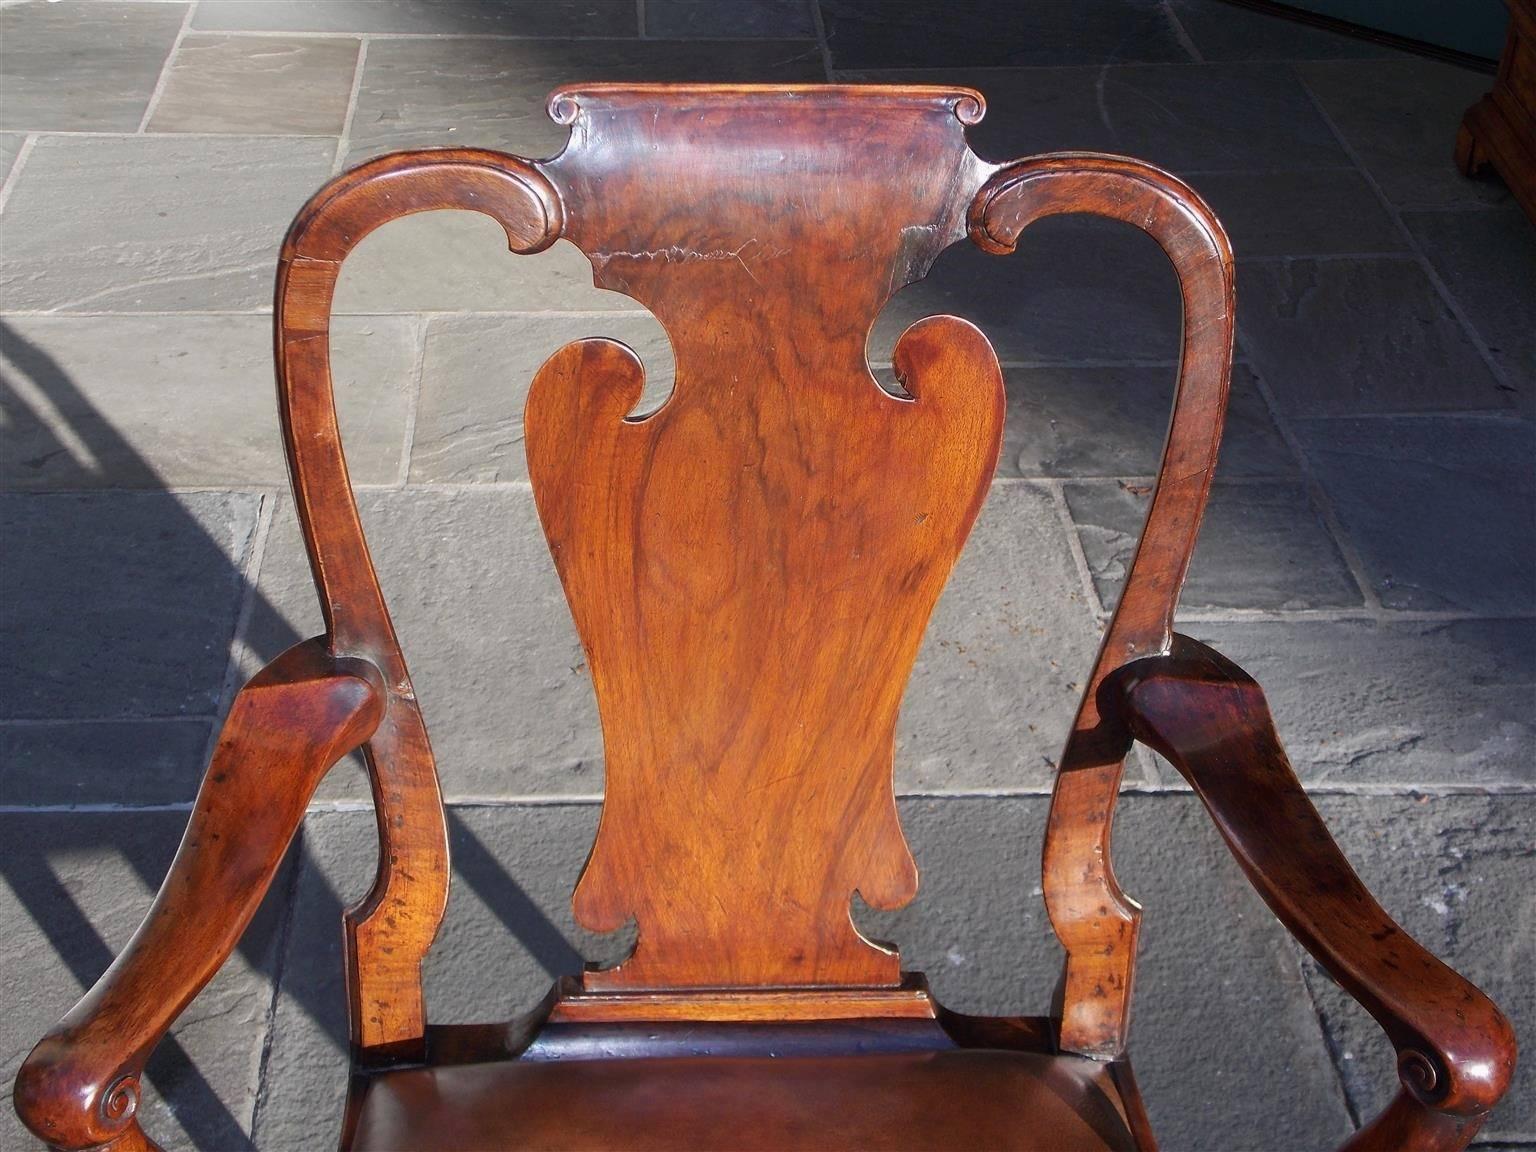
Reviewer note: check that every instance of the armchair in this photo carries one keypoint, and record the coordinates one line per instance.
(751, 568)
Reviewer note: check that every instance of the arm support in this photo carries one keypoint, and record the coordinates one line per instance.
(1095, 921)
(80, 1086)
(1456, 1051)
(389, 931)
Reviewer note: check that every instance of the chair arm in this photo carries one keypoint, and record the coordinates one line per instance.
(79, 1088)
(1456, 1051)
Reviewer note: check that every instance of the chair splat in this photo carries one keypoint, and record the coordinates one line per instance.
(752, 566)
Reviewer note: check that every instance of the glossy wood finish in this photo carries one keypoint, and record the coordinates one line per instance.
(750, 568)
(1499, 131)
(390, 930)
(80, 1086)
(909, 1000)
(1095, 921)
(1456, 1051)
(956, 1099)
(750, 588)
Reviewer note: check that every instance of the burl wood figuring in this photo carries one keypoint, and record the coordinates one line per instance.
(751, 568)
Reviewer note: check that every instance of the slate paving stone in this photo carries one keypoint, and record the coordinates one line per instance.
(1486, 259)
(1112, 421)
(483, 623)
(244, 84)
(150, 401)
(1400, 118)
(508, 933)
(1441, 509)
(682, 19)
(69, 903)
(1010, 645)
(1323, 212)
(1225, 1044)
(1346, 337)
(522, 893)
(1074, 290)
(978, 928)
(120, 605)
(1457, 872)
(1187, 118)
(154, 223)
(1261, 546)
(128, 762)
(475, 377)
(1222, 31)
(492, 93)
(10, 149)
(458, 262)
(123, 645)
(934, 34)
(562, 18)
(1361, 703)
(83, 67)
(304, 1088)
(493, 653)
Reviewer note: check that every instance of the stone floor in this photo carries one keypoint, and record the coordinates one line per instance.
(1370, 553)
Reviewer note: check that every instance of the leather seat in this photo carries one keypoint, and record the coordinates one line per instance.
(972, 1099)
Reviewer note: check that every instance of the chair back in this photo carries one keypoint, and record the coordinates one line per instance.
(751, 566)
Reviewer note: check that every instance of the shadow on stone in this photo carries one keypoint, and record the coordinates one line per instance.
(121, 619)
(509, 902)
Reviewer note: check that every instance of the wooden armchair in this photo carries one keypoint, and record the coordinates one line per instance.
(751, 569)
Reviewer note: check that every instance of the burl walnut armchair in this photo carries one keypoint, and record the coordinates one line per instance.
(751, 568)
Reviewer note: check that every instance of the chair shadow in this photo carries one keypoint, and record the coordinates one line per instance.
(51, 430)
(476, 866)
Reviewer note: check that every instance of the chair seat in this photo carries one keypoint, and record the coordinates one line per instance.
(969, 1099)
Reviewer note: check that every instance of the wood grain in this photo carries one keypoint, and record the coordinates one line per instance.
(1456, 1051)
(752, 566)
(908, 1001)
(750, 569)
(1095, 921)
(79, 1087)
(1499, 131)
(391, 928)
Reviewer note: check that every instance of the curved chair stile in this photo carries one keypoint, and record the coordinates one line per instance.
(750, 569)
(1096, 922)
(391, 929)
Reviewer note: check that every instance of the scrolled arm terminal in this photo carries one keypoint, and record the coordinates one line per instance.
(1456, 1050)
(79, 1087)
